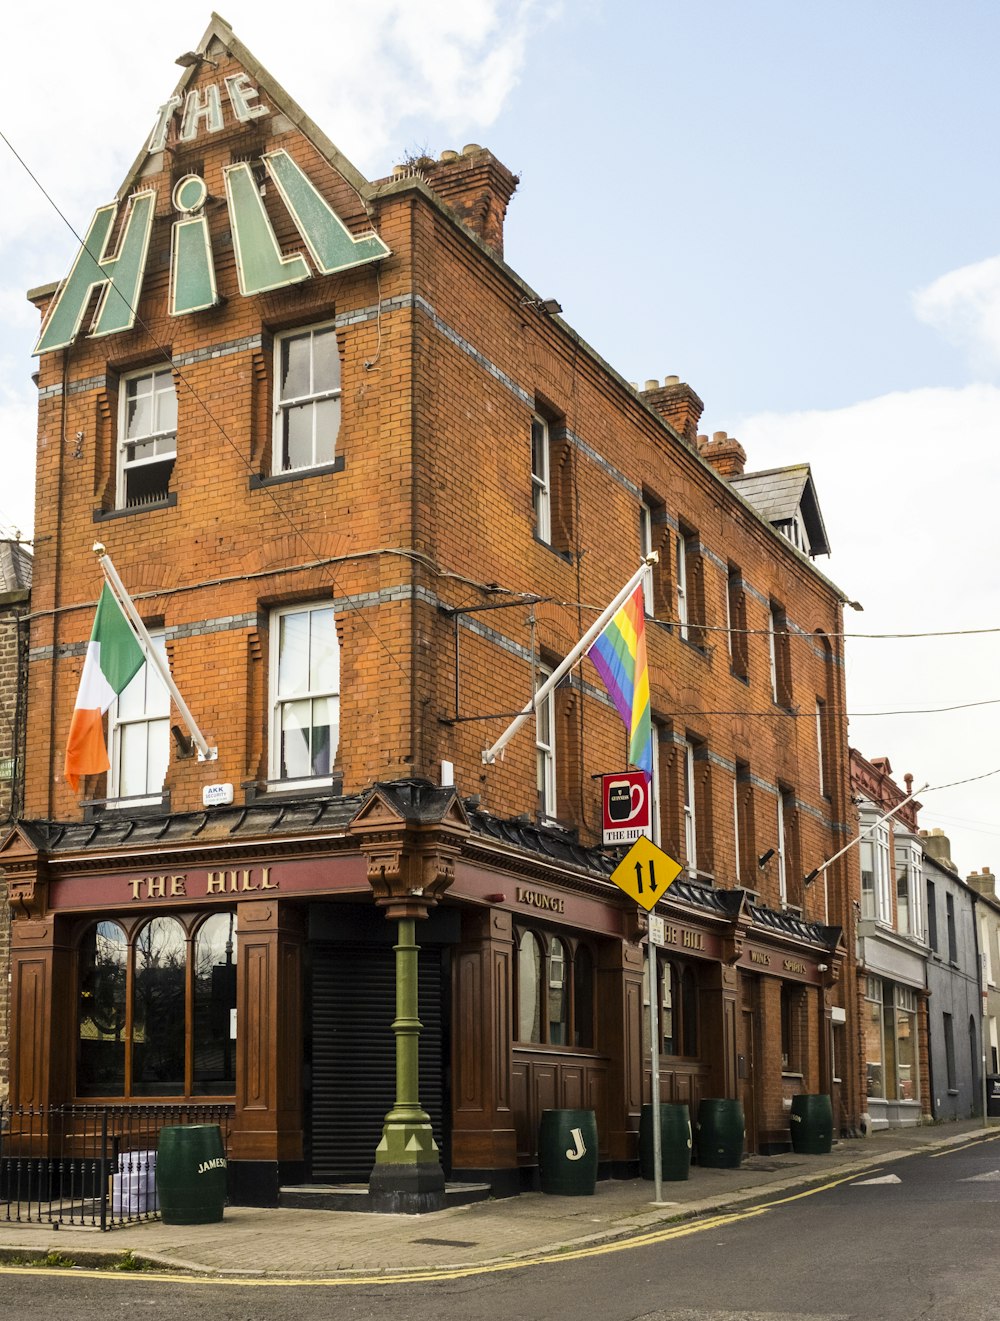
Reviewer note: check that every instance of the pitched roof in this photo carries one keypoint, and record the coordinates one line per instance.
(15, 566)
(781, 493)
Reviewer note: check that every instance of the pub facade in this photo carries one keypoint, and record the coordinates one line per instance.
(366, 489)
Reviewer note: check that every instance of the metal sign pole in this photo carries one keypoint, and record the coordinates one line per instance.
(654, 1059)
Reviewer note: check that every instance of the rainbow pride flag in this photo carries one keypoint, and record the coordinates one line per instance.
(620, 657)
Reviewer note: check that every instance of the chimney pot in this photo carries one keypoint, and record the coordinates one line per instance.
(671, 380)
(449, 155)
(471, 148)
(652, 384)
(398, 171)
(719, 436)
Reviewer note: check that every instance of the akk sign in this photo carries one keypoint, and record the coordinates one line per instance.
(626, 807)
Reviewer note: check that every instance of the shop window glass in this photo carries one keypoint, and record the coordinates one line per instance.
(583, 998)
(872, 1026)
(214, 1034)
(555, 991)
(103, 971)
(557, 1000)
(678, 1008)
(179, 1039)
(529, 987)
(158, 1009)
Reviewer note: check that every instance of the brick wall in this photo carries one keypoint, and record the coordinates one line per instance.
(13, 605)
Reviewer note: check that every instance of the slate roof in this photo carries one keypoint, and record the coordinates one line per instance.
(15, 566)
(778, 494)
(418, 801)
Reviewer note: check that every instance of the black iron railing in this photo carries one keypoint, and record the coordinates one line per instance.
(88, 1164)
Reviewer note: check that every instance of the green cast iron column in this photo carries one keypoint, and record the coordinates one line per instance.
(407, 1173)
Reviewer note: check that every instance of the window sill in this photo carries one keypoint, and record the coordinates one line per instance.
(330, 786)
(105, 515)
(140, 805)
(258, 482)
(565, 555)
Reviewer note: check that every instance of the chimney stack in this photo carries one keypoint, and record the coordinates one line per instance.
(938, 845)
(678, 404)
(984, 882)
(725, 453)
(476, 186)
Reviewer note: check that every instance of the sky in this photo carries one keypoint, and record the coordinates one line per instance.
(792, 205)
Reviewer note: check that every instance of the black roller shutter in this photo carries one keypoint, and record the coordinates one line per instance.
(354, 1054)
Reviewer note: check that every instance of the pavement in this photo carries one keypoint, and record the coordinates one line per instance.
(285, 1244)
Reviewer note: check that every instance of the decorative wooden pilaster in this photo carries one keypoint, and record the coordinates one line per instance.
(620, 1011)
(483, 1139)
(267, 1125)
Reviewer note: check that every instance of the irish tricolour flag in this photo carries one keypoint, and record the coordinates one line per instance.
(113, 658)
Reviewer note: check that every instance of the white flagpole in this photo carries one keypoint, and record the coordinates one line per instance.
(205, 753)
(490, 755)
(863, 834)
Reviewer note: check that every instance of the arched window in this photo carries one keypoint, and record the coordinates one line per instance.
(555, 991)
(103, 973)
(214, 1033)
(529, 989)
(158, 1009)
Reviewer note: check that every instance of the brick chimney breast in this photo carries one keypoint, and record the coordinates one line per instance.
(477, 187)
(678, 404)
(725, 453)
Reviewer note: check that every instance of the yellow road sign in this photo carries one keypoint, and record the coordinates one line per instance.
(645, 873)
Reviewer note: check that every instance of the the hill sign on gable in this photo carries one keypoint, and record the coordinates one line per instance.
(261, 265)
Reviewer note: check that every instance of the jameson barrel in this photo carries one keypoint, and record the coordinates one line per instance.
(720, 1133)
(675, 1142)
(812, 1124)
(567, 1152)
(191, 1174)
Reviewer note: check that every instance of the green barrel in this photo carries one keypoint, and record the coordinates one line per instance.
(812, 1124)
(675, 1142)
(720, 1132)
(567, 1152)
(191, 1174)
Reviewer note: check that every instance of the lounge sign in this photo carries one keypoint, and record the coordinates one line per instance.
(261, 265)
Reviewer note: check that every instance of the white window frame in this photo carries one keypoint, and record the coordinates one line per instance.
(154, 693)
(541, 488)
(690, 810)
(277, 700)
(875, 843)
(654, 786)
(645, 547)
(312, 397)
(545, 749)
(909, 856)
(780, 853)
(680, 546)
(163, 438)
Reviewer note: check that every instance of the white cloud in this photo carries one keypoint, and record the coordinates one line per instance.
(964, 305)
(907, 485)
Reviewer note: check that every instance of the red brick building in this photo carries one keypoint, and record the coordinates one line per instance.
(366, 486)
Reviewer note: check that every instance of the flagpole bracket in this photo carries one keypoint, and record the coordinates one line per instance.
(210, 754)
